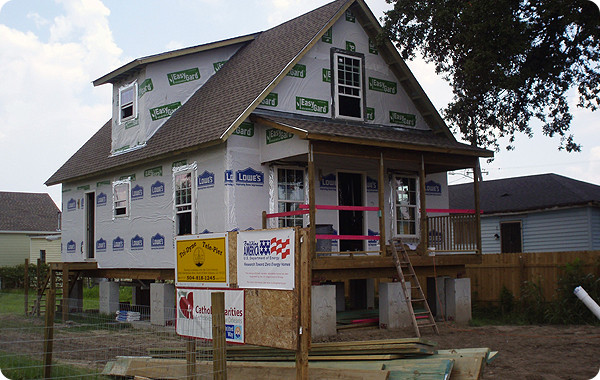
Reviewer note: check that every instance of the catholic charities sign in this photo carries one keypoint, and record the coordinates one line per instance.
(194, 313)
(265, 259)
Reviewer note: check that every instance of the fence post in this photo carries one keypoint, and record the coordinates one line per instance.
(49, 332)
(264, 220)
(304, 334)
(217, 300)
(190, 356)
(26, 284)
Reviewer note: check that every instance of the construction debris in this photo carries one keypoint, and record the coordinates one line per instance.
(411, 358)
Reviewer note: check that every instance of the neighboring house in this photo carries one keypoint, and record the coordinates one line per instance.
(538, 213)
(204, 139)
(29, 228)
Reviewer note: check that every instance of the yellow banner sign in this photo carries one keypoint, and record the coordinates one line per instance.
(202, 259)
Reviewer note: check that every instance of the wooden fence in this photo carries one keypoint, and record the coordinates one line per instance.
(512, 269)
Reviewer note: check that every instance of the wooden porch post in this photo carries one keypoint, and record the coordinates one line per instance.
(66, 287)
(312, 211)
(381, 206)
(423, 205)
(476, 178)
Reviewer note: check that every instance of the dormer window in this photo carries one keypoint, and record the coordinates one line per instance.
(128, 102)
(348, 85)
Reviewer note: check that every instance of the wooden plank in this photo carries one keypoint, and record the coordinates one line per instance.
(217, 300)
(304, 283)
(421, 369)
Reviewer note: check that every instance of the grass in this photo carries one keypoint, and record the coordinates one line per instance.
(13, 300)
(22, 367)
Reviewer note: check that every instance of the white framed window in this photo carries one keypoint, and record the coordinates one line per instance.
(290, 195)
(121, 198)
(184, 195)
(406, 201)
(348, 85)
(128, 102)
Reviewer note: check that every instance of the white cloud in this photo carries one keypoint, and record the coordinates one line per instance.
(48, 104)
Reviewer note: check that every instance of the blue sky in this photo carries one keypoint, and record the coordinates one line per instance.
(51, 51)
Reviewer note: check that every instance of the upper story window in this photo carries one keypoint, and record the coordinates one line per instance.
(128, 102)
(405, 207)
(348, 88)
(121, 198)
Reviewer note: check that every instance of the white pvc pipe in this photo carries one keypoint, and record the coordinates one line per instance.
(587, 300)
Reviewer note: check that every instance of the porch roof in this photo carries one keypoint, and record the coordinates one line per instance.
(323, 129)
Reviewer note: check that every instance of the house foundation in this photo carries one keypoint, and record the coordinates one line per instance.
(162, 304)
(323, 307)
(109, 297)
(458, 299)
(393, 308)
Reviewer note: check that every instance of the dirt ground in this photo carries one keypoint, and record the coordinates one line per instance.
(524, 352)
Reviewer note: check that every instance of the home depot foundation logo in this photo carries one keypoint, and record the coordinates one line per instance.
(137, 243)
(157, 242)
(186, 305)
(118, 244)
(249, 177)
(71, 247)
(101, 245)
(262, 248)
(157, 189)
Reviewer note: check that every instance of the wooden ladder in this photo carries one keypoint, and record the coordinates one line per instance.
(423, 317)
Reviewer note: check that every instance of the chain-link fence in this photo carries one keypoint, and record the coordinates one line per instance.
(98, 346)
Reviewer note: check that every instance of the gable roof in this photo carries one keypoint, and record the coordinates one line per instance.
(208, 118)
(536, 192)
(28, 212)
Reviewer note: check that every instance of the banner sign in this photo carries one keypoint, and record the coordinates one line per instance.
(202, 260)
(265, 259)
(194, 314)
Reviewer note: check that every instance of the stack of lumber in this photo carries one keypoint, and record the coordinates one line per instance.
(411, 358)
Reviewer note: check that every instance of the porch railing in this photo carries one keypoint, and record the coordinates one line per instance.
(304, 209)
(454, 232)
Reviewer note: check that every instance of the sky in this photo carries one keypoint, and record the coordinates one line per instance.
(52, 50)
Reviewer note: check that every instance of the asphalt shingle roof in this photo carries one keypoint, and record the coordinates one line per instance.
(533, 192)
(217, 106)
(230, 95)
(23, 212)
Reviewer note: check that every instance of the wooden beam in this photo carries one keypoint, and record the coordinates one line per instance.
(381, 191)
(476, 194)
(304, 338)
(423, 205)
(65, 289)
(311, 202)
(218, 335)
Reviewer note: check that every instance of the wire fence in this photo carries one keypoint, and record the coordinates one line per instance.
(90, 345)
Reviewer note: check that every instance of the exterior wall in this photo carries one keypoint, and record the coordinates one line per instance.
(595, 227)
(310, 83)
(143, 239)
(14, 248)
(544, 231)
(51, 247)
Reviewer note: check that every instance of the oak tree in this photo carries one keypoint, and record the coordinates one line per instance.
(508, 62)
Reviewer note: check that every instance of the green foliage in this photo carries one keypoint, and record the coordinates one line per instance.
(533, 308)
(22, 367)
(507, 301)
(14, 277)
(508, 61)
(567, 308)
